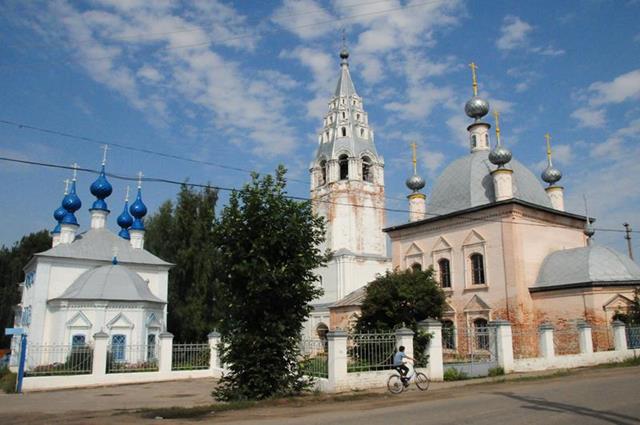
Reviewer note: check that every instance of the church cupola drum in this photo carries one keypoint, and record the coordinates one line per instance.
(347, 174)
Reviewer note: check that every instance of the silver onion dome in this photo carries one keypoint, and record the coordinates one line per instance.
(500, 156)
(551, 174)
(476, 107)
(415, 182)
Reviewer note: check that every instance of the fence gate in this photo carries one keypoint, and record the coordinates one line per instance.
(474, 352)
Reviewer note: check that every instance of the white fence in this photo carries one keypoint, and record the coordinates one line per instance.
(55, 367)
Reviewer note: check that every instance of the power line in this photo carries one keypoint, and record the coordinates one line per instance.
(297, 198)
(247, 35)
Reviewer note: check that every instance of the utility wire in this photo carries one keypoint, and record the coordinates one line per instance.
(297, 198)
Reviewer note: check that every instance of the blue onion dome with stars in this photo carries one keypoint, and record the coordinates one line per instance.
(125, 221)
(138, 209)
(101, 189)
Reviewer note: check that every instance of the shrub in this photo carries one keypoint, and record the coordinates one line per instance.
(7, 380)
(454, 374)
(496, 371)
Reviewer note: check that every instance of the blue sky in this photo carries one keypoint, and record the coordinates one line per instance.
(246, 85)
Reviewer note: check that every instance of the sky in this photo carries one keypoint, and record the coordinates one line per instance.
(222, 88)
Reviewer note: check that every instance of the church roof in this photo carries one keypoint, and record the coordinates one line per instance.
(354, 298)
(109, 283)
(467, 183)
(590, 264)
(99, 244)
(345, 85)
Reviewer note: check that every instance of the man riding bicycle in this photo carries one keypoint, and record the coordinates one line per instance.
(398, 364)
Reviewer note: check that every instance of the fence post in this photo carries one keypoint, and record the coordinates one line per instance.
(214, 358)
(404, 337)
(101, 341)
(435, 367)
(166, 352)
(337, 365)
(504, 344)
(585, 337)
(619, 336)
(546, 340)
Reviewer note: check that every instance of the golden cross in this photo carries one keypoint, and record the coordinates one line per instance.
(75, 171)
(548, 137)
(104, 154)
(66, 186)
(415, 161)
(139, 179)
(496, 114)
(473, 67)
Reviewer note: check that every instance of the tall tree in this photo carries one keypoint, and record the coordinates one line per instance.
(11, 263)
(184, 236)
(269, 246)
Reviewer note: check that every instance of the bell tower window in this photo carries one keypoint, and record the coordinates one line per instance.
(343, 162)
(323, 172)
(343, 130)
(474, 142)
(366, 169)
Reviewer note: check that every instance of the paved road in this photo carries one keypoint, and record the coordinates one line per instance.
(597, 396)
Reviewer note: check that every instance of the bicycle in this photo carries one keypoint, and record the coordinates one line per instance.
(396, 385)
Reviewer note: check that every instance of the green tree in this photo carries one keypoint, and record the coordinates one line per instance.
(12, 260)
(269, 246)
(184, 236)
(402, 298)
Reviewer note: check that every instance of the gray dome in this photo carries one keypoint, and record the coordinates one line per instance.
(476, 107)
(415, 182)
(551, 174)
(109, 283)
(500, 155)
(467, 183)
(592, 263)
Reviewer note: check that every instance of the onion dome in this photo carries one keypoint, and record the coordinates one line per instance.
(138, 210)
(58, 214)
(415, 183)
(476, 108)
(125, 220)
(71, 202)
(101, 189)
(551, 174)
(589, 231)
(500, 156)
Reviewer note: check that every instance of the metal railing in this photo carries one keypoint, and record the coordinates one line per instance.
(370, 351)
(566, 340)
(190, 356)
(633, 336)
(314, 357)
(526, 342)
(55, 359)
(132, 358)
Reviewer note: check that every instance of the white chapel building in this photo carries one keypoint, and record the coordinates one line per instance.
(95, 281)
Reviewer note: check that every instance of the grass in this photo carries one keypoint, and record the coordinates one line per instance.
(632, 361)
(454, 374)
(7, 380)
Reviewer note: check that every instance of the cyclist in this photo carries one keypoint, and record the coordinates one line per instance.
(398, 364)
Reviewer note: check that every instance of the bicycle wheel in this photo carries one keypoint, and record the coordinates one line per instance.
(422, 381)
(395, 385)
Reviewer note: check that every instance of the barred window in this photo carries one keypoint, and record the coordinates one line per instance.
(78, 340)
(118, 344)
(481, 329)
(448, 335)
(477, 269)
(445, 273)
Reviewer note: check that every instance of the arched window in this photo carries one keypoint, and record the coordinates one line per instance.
(343, 130)
(448, 335)
(343, 162)
(358, 117)
(366, 169)
(477, 269)
(473, 141)
(481, 331)
(323, 172)
(118, 345)
(78, 340)
(322, 330)
(416, 267)
(344, 115)
(445, 273)
(486, 139)
(151, 347)
(362, 132)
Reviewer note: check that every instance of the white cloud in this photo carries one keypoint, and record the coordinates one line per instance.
(432, 161)
(150, 73)
(514, 33)
(563, 154)
(458, 124)
(588, 117)
(305, 18)
(620, 89)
